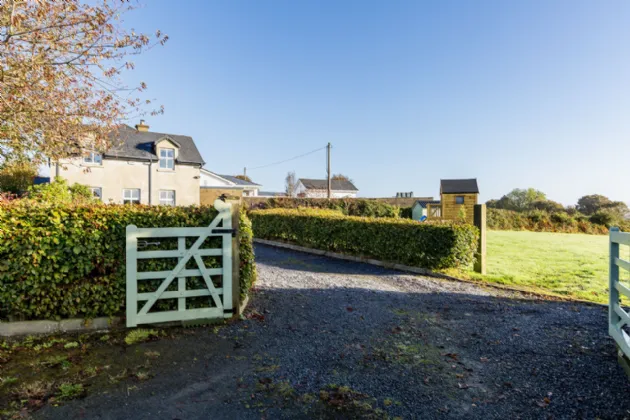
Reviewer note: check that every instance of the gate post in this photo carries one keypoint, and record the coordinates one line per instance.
(132, 276)
(480, 221)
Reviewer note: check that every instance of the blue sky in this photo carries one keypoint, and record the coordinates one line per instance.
(516, 94)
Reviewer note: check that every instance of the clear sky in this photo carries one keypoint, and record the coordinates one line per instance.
(517, 94)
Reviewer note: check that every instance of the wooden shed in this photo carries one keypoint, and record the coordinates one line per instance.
(456, 194)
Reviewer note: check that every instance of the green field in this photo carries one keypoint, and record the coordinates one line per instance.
(571, 265)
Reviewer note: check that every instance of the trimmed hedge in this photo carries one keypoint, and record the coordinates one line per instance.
(428, 245)
(61, 261)
(348, 206)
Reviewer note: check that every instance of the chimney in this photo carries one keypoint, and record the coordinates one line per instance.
(142, 126)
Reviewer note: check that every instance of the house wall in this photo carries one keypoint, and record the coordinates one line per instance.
(450, 210)
(115, 175)
(209, 180)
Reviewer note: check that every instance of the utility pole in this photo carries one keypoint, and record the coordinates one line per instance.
(328, 168)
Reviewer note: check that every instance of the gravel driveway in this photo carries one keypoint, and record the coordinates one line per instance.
(333, 339)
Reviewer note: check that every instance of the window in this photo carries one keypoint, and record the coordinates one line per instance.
(131, 196)
(167, 158)
(459, 199)
(97, 192)
(167, 198)
(93, 157)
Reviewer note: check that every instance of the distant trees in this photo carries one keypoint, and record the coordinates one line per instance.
(518, 199)
(341, 177)
(243, 178)
(16, 177)
(290, 184)
(593, 203)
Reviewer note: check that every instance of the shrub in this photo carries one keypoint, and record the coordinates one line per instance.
(406, 213)
(605, 218)
(68, 260)
(429, 245)
(59, 191)
(348, 206)
(541, 221)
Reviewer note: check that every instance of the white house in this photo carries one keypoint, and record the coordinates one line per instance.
(318, 188)
(211, 180)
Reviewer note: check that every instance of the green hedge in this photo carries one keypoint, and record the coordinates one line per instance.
(428, 245)
(348, 206)
(61, 261)
(541, 221)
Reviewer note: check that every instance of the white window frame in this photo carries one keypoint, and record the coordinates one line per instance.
(93, 158)
(100, 192)
(167, 163)
(167, 201)
(129, 198)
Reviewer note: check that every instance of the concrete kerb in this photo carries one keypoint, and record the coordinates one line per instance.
(18, 328)
(421, 271)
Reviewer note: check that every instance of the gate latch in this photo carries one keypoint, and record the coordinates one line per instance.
(222, 230)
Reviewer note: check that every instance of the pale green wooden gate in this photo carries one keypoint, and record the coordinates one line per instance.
(220, 297)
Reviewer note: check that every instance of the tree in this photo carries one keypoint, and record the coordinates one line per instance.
(549, 206)
(341, 177)
(60, 76)
(17, 176)
(520, 199)
(243, 178)
(290, 184)
(593, 203)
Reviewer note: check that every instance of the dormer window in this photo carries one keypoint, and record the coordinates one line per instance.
(93, 158)
(167, 159)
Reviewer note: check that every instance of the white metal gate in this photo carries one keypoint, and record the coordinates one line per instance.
(219, 298)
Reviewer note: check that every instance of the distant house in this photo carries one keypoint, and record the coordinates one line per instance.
(420, 208)
(213, 185)
(318, 188)
(456, 194)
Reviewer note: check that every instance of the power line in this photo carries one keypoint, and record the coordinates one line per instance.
(287, 160)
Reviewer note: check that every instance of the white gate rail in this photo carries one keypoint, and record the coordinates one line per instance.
(618, 318)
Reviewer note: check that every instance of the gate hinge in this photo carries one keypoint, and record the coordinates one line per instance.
(221, 230)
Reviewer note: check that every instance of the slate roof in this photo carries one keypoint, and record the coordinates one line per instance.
(237, 181)
(139, 145)
(459, 186)
(423, 203)
(271, 194)
(322, 184)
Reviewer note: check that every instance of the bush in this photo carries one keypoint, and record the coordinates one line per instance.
(541, 221)
(60, 260)
(406, 213)
(429, 245)
(59, 191)
(348, 206)
(604, 218)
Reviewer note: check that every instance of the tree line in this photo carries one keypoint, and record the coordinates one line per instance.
(599, 208)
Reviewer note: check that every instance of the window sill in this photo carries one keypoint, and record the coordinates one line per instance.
(171, 171)
(92, 165)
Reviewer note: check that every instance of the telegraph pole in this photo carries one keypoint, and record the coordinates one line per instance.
(328, 168)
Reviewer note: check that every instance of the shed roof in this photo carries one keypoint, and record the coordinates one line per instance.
(322, 184)
(238, 181)
(423, 203)
(459, 186)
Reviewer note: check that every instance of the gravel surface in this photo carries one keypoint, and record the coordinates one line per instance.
(333, 339)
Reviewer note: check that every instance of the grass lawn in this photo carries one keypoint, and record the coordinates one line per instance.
(571, 265)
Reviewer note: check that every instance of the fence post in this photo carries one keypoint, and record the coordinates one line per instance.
(480, 221)
(236, 259)
(131, 248)
(613, 293)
